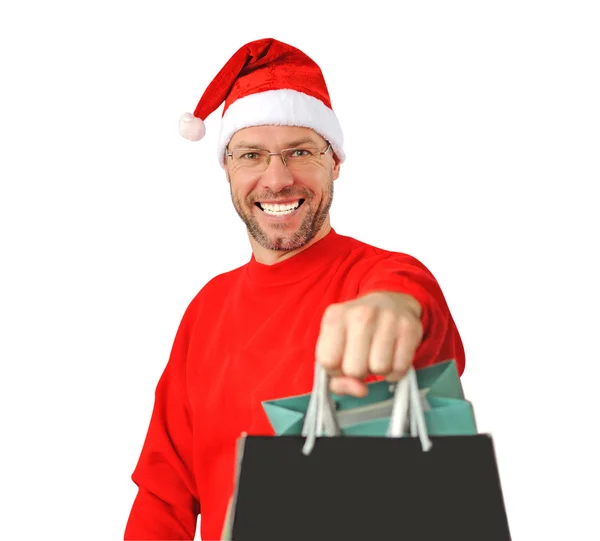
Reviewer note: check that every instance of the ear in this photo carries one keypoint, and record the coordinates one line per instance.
(335, 173)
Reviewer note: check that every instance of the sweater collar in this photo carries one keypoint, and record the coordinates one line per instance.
(295, 268)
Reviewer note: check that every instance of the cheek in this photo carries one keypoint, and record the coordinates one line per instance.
(323, 188)
(242, 190)
(318, 184)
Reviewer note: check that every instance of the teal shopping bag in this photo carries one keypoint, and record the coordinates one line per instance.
(446, 410)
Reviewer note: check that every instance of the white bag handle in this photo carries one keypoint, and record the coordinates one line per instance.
(407, 409)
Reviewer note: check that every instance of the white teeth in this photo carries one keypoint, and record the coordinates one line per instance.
(282, 213)
(279, 210)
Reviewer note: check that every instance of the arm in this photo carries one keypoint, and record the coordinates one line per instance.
(399, 318)
(166, 505)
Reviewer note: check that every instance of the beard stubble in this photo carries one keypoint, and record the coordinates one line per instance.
(276, 238)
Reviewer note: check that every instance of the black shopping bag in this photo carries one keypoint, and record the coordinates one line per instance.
(414, 488)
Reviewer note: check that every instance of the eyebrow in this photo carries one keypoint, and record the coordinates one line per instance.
(291, 144)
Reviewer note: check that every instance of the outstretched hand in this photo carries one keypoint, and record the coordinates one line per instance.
(374, 334)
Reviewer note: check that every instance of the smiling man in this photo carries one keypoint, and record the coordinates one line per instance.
(307, 293)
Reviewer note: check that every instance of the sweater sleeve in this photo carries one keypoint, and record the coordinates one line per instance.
(402, 273)
(166, 505)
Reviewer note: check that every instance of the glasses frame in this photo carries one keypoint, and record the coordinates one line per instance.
(280, 153)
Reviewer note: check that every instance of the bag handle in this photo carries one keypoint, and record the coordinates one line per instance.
(320, 419)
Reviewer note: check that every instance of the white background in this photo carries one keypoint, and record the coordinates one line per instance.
(473, 139)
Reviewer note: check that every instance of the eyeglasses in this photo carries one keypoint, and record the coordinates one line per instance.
(256, 160)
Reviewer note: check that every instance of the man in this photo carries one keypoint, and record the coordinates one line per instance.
(252, 334)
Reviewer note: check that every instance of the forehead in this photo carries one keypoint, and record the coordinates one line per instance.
(271, 137)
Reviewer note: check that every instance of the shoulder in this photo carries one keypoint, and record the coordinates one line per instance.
(373, 255)
(213, 290)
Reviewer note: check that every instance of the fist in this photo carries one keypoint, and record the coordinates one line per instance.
(375, 334)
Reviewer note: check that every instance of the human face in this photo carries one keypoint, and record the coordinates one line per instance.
(310, 189)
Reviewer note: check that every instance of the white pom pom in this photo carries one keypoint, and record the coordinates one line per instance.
(191, 127)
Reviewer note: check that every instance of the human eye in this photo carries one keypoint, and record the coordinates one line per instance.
(300, 153)
(249, 156)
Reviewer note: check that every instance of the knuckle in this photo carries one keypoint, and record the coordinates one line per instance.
(387, 318)
(380, 360)
(325, 354)
(355, 372)
(354, 369)
(409, 324)
(362, 314)
(333, 313)
(379, 366)
(329, 362)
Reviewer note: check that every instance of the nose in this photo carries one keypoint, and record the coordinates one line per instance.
(277, 176)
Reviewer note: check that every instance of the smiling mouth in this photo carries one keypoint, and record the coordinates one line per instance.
(279, 210)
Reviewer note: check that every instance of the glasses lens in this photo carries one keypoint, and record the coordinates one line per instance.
(297, 158)
(250, 158)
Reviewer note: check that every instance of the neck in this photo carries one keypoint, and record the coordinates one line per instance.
(271, 257)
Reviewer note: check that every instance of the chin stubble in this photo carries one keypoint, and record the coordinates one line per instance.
(312, 222)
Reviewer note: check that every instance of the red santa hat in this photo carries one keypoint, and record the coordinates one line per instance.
(266, 82)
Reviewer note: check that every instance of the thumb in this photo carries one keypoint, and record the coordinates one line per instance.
(345, 385)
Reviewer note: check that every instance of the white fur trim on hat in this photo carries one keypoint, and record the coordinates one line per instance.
(283, 108)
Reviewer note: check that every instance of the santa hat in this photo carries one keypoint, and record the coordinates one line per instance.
(266, 82)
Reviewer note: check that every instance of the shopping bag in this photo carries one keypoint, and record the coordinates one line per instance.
(446, 410)
(405, 485)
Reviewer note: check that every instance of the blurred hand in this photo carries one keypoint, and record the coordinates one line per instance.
(374, 334)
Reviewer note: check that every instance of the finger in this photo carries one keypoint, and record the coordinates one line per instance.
(381, 353)
(332, 336)
(343, 385)
(360, 325)
(408, 337)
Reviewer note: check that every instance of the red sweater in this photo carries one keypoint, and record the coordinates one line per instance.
(249, 336)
